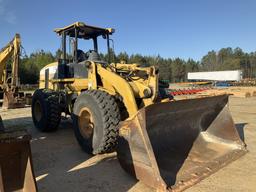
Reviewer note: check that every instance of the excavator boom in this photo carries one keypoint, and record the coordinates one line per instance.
(9, 83)
(12, 49)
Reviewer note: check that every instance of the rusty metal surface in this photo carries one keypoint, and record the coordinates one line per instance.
(16, 170)
(11, 100)
(172, 146)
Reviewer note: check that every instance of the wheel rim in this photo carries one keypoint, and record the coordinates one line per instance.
(38, 111)
(86, 123)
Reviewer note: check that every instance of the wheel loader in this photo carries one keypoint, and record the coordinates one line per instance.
(168, 145)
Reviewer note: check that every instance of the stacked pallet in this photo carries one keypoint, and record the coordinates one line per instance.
(187, 91)
(235, 91)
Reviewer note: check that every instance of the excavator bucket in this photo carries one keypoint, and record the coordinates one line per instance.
(11, 100)
(171, 146)
(16, 171)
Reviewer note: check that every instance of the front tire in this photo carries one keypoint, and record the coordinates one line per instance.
(95, 121)
(46, 113)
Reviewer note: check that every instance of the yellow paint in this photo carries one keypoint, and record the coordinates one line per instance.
(113, 83)
(137, 86)
(12, 49)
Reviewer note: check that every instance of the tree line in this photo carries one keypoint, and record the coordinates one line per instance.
(170, 69)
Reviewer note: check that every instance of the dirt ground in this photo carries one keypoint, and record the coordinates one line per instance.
(60, 164)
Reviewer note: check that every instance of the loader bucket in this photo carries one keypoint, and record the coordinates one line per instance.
(16, 171)
(171, 146)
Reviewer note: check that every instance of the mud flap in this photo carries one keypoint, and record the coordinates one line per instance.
(16, 170)
(172, 146)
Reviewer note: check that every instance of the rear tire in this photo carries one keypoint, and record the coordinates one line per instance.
(46, 113)
(95, 121)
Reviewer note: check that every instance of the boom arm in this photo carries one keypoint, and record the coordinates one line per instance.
(12, 49)
(137, 88)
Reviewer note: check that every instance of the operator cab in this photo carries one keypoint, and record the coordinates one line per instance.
(72, 64)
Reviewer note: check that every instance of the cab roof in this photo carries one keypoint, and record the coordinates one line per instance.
(84, 31)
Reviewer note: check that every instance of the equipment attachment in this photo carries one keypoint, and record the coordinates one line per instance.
(13, 100)
(16, 170)
(171, 146)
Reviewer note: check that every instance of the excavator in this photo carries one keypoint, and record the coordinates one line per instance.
(16, 170)
(9, 82)
(168, 145)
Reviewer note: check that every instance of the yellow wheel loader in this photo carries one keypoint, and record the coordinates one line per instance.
(169, 145)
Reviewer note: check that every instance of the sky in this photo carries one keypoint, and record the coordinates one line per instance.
(170, 28)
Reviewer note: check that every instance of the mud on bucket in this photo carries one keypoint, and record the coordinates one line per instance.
(172, 146)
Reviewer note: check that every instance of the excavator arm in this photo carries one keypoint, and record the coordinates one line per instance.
(11, 50)
(9, 83)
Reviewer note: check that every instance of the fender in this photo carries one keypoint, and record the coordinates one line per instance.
(112, 83)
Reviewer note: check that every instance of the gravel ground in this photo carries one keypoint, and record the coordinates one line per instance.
(60, 164)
